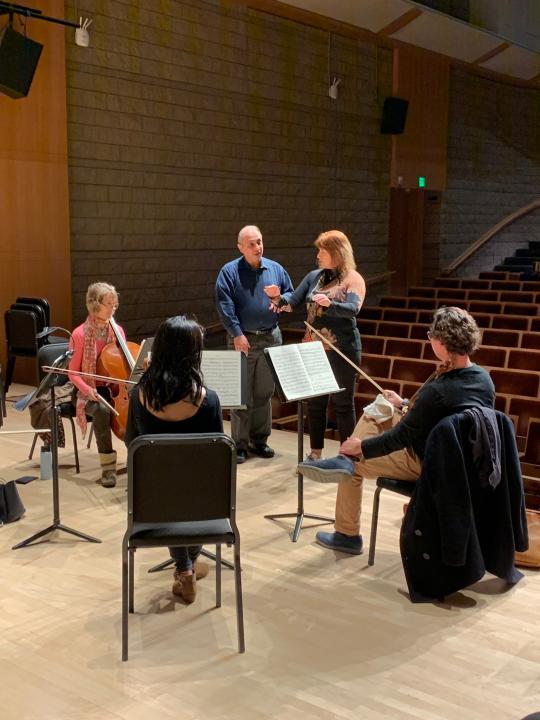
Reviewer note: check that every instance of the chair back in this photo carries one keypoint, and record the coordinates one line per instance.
(47, 354)
(181, 478)
(38, 311)
(40, 302)
(21, 330)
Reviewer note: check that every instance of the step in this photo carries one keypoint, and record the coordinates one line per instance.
(514, 268)
(518, 261)
(528, 253)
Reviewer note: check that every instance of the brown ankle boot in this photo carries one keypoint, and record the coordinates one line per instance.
(108, 469)
(185, 586)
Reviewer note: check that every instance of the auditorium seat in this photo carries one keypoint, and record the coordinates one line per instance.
(518, 296)
(369, 327)
(447, 282)
(501, 338)
(393, 329)
(515, 382)
(415, 370)
(483, 295)
(524, 409)
(511, 322)
(520, 309)
(451, 293)
(524, 359)
(490, 356)
(394, 301)
(530, 340)
(375, 366)
(403, 348)
(505, 284)
(421, 292)
(372, 344)
(399, 315)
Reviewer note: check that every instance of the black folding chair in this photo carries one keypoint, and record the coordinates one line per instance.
(181, 492)
(46, 356)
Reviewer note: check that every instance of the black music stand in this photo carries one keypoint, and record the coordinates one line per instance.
(48, 384)
(300, 513)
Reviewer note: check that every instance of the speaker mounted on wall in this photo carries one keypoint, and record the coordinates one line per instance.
(394, 116)
(19, 56)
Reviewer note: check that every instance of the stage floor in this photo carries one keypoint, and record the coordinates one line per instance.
(326, 636)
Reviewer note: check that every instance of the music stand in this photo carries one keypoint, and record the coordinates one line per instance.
(300, 513)
(48, 384)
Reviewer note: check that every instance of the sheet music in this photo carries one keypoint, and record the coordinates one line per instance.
(303, 370)
(225, 371)
(291, 372)
(318, 367)
(138, 368)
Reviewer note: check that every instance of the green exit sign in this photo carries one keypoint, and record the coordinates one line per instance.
(421, 181)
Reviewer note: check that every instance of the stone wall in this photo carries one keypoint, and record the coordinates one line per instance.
(493, 170)
(188, 120)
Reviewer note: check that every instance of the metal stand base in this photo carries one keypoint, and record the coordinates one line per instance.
(56, 524)
(170, 561)
(299, 520)
(52, 528)
(300, 514)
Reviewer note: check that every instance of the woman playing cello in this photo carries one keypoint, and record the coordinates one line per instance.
(88, 341)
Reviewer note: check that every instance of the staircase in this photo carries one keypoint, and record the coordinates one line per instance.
(524, 260)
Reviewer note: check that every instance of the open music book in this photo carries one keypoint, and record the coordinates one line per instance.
(225, 371)
(301, 370)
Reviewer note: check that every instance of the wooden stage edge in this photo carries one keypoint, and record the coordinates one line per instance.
(326, 636)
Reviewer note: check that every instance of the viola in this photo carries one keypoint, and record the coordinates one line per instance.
(117, 360)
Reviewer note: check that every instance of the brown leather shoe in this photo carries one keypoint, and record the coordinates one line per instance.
(201, 569)
(185, 586)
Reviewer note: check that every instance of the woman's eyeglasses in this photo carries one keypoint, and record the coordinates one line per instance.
(429, 335)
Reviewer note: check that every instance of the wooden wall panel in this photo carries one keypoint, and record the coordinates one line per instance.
(34, 235)
(422, 79)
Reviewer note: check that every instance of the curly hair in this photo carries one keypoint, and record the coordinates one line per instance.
(175, 371)
(95, 294)
(456, 330)
(338, 245)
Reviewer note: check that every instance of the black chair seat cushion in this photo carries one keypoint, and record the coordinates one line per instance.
(403, 487)
(203, 532)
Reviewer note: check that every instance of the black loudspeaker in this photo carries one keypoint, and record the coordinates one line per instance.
(19, 57)
(394, 116)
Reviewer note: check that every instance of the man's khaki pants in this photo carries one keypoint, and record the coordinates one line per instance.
(402, 465)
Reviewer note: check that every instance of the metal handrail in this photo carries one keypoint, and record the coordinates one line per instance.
(475, 246)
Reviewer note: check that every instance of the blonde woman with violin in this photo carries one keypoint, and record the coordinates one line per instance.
(88, 341)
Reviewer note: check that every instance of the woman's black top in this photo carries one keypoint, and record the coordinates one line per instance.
(142, 422)
(445, 395)
(337, 323)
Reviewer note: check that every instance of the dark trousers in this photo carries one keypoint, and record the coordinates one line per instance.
(184, 557)
(343, 402)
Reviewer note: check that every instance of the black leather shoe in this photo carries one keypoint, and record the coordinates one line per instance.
(241, 456)
(262, 450)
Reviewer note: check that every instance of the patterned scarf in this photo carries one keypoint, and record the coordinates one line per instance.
(92, 331)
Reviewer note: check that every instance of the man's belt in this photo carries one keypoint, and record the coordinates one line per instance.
(264, 331)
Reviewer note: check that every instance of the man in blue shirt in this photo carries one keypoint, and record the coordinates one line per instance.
(245, 312)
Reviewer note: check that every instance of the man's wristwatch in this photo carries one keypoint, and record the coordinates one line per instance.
(404, 404)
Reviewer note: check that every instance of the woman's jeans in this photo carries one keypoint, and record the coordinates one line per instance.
(343, 402)
(184, 557)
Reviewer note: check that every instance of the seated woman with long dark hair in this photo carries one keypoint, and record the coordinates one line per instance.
(171, 398)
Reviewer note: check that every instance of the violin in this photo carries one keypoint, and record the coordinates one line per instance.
(117, 360)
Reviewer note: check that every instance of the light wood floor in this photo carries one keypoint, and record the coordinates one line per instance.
(326, 636)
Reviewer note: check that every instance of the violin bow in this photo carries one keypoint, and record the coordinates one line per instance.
(358, 370)
(105, 378)
(62, 371)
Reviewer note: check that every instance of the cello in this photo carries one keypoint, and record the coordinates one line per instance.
(117, 360)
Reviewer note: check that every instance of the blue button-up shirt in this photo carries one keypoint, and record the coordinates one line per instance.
(241, 302)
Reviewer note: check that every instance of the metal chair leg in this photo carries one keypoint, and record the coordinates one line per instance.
(374, 523)
(131, 579)
(125, 581)
(75, 448)
(239, 599)
(9, 371)
(33, 446)
(90, 435)
(218, 575)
